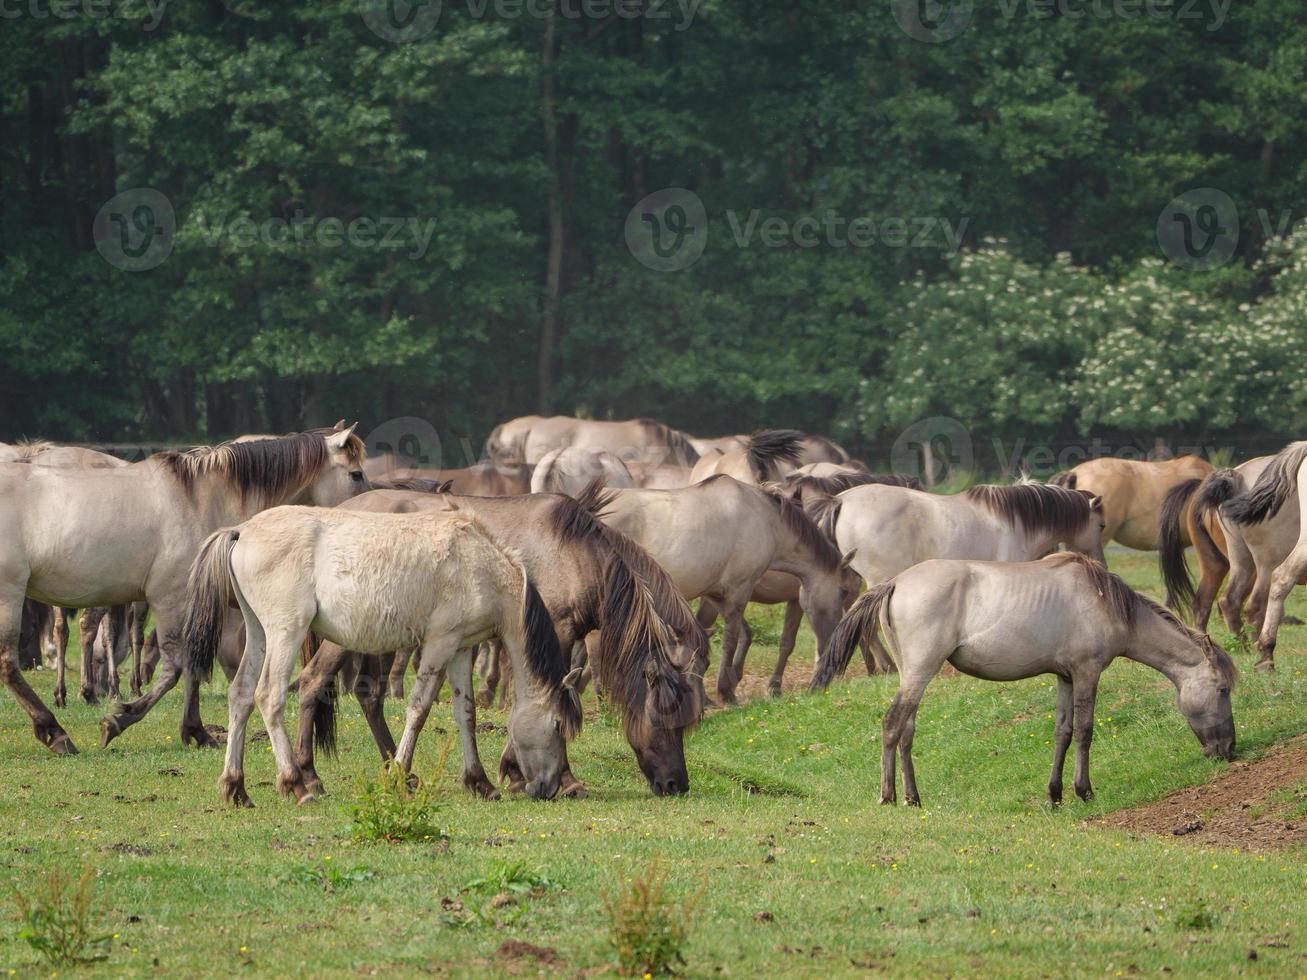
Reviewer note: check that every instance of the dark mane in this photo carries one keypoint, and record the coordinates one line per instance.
(767, 448)
(831, 485)
(1272, 489)
(809, 534)
(412, 483)
(679, 447)
(1034, 506)
(270, 468)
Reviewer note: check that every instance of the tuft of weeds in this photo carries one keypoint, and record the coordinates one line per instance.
(503, 895)
(648, 929)
(1197, 917)
(57, 921)
(394, 807)
(328, 877)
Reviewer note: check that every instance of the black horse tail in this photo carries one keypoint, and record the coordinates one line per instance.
(212, 592)
(1170, 546)
(1272, 489)
(861, 622)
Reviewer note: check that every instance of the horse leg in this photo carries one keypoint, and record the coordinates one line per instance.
(240, 702)
(119, 647)
(1242, 574)
(493, 653)
(150, 656)
(167, 614)
(88, 630)
(315, 685)
(733, 620)
(1284, 578)
(44, 727)
(465, 713)
(400, 665)
(61, 655)
(283, 649)
(137, 638)
(370, 689)
(909, 700)
(788, 635)
(1061, 738)
(1084, 696)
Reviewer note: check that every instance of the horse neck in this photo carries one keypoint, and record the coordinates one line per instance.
(1015, 542)
(1157, 643)
(797, 558)
(222, 504)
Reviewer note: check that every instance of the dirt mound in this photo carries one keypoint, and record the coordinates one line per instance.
(1255, 806)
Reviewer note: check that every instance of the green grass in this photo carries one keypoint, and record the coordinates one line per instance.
(985, 880)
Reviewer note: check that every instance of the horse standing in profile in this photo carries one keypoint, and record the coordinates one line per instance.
(1133, 492)
(374, 583)
(95, 537)
(1003, 621)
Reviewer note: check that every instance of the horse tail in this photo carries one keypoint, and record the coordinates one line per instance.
(1272, 488)
(1219, 487)
(861, 622)
(769, 447)
(211, 591)
(1064, 478)
(324, 718)
(1170, 546)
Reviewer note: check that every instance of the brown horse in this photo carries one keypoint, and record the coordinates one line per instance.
(590, 578)
(1133, 492)
(1002, 621)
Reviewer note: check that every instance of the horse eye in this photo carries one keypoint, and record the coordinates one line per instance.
(558, 725)
(356, 476)
(1225, 691)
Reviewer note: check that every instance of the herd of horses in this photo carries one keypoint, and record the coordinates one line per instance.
(570, 555)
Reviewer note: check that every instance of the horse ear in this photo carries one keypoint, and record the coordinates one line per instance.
(573, 678)
(340, 437)
(446, 487)
(849, 555)
(1096, 502)
(339, 425)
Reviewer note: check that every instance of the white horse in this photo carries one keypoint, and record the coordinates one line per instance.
(643, 440)
(571, 470)
(101, 537)
(375, 583)
(1002, 621)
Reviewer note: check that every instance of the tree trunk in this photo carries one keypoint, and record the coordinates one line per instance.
(549, 307)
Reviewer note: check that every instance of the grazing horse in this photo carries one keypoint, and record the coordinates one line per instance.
(106, 536)
(571, 470)
(767, 456)
(1263, 529)
(1133, 492)
(374, 583)
(1002, 621)
(892, 528)
(718, 539)
(591, 578)
(643, 440)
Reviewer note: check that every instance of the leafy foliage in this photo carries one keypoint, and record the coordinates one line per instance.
(648, 928)
(388, 809)
(58, 921)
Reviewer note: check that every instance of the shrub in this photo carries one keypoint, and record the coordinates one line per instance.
(389, 809)
(647, 929)
(56, 919)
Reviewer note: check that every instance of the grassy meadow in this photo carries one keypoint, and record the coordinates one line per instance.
(792, 866)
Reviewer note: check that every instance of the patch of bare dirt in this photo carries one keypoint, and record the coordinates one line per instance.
(515, 950)
(1239, 808)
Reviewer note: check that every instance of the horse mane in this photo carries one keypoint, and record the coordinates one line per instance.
(831, 485)
(642, 615)
(769, 447)
(27, 448)
(269, 467)
(676, 441)
(1272, 489)
(1034, 506)
(806, 530)
(414, 483)
(1124, 603)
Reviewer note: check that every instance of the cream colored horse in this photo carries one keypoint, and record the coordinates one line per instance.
(571, 470)
(718, 539)
(1003, 621)
(108, 536)
(375, 583)
(766, 456)
(1133, 492)
(642, 440)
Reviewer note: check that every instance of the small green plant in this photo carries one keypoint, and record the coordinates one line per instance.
(328, 877)
(648, 929)
(56, 919)
(1197, 916)
(511, 886)
(389, 809)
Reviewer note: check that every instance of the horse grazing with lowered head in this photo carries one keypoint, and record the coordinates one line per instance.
(718, 539)
(1133, 493)
(1002, 621)
(97, 537)
(591, 578)
(375, 583)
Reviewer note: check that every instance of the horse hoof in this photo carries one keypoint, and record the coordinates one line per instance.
(887, 801)
(201, 738)
(110, 728)
(1266, 665)
(58, 742)
(485, 699)
(774, 690)
(60, 699)
(88, 697)
(575, 790)
(303, 796)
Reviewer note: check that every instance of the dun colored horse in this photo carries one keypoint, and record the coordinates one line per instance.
(766, 456)
(1133, 492)
(1002, 621)
(571, 470)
